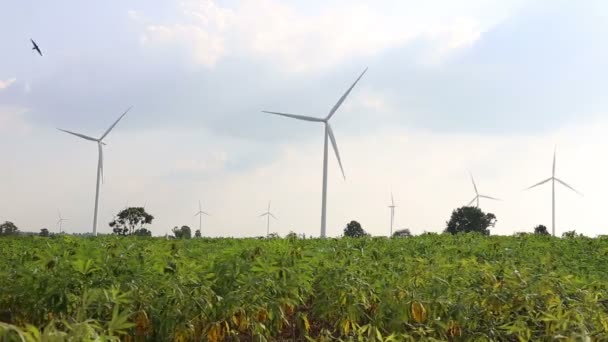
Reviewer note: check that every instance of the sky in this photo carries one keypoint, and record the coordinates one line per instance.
(488, 87)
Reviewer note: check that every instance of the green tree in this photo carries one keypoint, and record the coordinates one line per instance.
(8, 228)
(44, 232)
(541, 230)
(182, 233)
(130, 220)
(142, 232)
(470, 219)
(197, 233)
(571, 234)
(402, 233)
(354, 230)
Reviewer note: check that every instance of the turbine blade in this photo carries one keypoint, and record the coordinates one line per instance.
(274, 217)
(554, 152)
(539, 183)
(295, 116)
(392, 200)
(114, 124)
(474, 185)
(339, 103)
(78, 135)
(489, 197)
(205, 213)
(197, 213)
(335, 146)
(101, 161)
(200, 206)
(568, 186)
(264, 214)
(472, 201)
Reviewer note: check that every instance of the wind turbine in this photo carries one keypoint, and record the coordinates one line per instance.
(268, 214)
(392, 206)
(100, 144)
(554, 179)
(60, 221)
(478, 196)
(328, 134)
(200, 214)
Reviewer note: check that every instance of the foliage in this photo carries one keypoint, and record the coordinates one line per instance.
(402, 233)
(130, 220)
(182, 233)
(44, 232)
(197, 233)
(541, 230)
(463, 287)
(292, 235)
(571, 234)
(470, 219)
(8, 228)
(354, 230)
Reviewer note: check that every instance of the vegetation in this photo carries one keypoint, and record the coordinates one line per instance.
(402, 233)
(354, 230)
(431, 287)
(8, 228)
(182, 233)
(132, 221)
(470, 219)
(541, 230)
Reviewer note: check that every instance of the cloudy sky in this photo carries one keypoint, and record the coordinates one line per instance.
(488, 87)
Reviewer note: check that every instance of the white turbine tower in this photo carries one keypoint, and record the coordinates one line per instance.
(100, 144)
(478, 196)
(553, 179)
(60, 221)
(268, 214)
(200, 214)
(328, 134)
(392, 207)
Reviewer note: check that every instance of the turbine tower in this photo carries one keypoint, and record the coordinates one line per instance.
(478, 196)
(200, 214)
(268, 214)
(100, 144)
(60, 221)
(329, 134)
(553, 179)
(392, 206)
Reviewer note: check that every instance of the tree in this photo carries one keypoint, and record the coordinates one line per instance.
(130, 220)
(354, 230)
(291, 236)
(8, 228)
(182, 233)
(142, 232)
(402, 233)
(541, 230)
(44, 232)
(571, 234)
(197, 233)
(470, 219)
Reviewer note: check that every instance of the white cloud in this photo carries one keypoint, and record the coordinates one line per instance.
(295, 41)
(7, 83)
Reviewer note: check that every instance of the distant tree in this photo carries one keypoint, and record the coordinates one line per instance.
(197, 233)
(142, 232)
(428, 233)
(571, 234)
(8, 228)
(130, 220)
(273, 236)
(182, 233)
(541, 230)
(354, 230)
(44, 232)
(470, 219)
(291, 236)
(402, 233)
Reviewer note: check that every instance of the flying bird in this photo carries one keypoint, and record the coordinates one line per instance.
(36, 47)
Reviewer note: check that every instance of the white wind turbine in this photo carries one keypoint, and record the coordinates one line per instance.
(60, 221)
(392, 206)
(200, 214)
(268, 214)
(100, 144)
(478, 196)
(328, 134)
(553, 179)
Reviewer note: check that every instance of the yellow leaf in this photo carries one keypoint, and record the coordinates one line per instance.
(418, 312)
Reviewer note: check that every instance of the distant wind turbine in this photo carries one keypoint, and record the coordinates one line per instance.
(60, 221)
(554, 179)
(268, 214)
(478, 196)
(200, 214)
(100, 144)
(392, 206)
(328, 134)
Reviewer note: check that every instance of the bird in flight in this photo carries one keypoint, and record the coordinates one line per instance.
(36, 47)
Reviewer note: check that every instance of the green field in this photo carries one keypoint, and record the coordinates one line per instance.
(431, 287)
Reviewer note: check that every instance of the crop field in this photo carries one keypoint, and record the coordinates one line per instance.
(431, 287)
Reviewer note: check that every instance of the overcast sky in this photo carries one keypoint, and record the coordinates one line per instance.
(488, 87)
